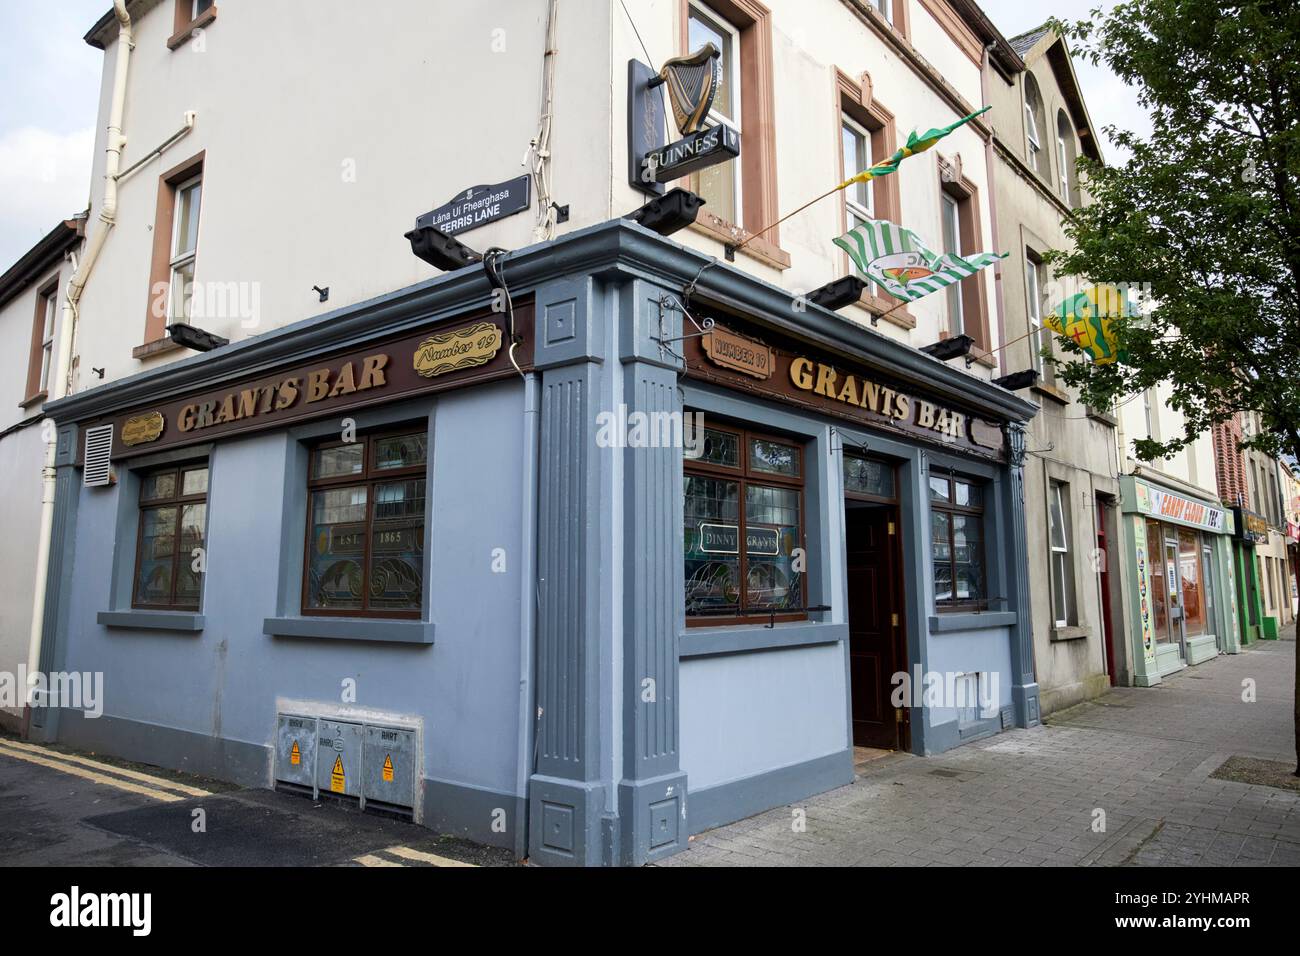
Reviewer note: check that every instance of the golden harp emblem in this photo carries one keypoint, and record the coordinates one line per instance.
(692, 83)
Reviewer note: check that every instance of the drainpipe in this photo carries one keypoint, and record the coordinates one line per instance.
(62, 379)
(985, 66)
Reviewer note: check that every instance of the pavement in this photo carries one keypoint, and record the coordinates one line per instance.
(1123, 780)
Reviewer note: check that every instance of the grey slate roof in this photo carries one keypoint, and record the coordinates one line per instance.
(1025, 42)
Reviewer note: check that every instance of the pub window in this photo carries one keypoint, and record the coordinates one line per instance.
(957, 543)
(365, 526)
(719, 184)
(173, 519)
(745, 488)
(1058, 508)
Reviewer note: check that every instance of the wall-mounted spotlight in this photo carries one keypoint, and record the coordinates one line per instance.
(952, 347)
(441, 250)
(838, 294)
(323, 293)
(675, 209)
(191, 337)
(1018, 380)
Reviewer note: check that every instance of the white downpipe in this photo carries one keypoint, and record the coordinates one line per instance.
(61, 380)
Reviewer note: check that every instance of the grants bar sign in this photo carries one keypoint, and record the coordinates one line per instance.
(384, 371)
(813, 382)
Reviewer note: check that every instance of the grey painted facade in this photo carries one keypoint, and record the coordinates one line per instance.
(563, 707)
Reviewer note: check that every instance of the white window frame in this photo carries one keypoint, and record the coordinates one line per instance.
(179, 260)
(194, 10)
(886, 9)
(47, 336)
(1034, 311)
(1062, 564)
(852, 205)
(1064, 164)
(956, 310)
(720, 23)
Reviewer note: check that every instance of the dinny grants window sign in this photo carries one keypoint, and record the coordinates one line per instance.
(835, 389)
(455, 354)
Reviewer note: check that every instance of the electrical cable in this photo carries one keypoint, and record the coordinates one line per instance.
(496, 278)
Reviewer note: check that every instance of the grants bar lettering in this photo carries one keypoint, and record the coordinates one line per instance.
(821, 379)
(315, 386)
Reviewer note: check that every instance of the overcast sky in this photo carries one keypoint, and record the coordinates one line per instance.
(51, 82)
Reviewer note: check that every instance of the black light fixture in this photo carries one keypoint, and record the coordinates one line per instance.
(838, 294)
(1018, 380)
(439, 249)
(952, 347)
(192, 337)
(675, 209)
(324, 293)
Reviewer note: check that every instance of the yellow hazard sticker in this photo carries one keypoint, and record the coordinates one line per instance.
(295, 755)
(337, 780)
(388, 768)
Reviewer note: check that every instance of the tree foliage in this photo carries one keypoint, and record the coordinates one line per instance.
(1205, 216)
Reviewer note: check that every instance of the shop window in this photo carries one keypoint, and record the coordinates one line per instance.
(1193, 594)
(957, 543)
(1159, 581)
(365, 526)
(169, 548)
(1058, 508)
(744, 528)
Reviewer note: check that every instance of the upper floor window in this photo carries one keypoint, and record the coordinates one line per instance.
(1040, 338)
(1058, 510)
(173, 523)
(1066, 158)
(40, 362)
(185, 243)
(365, 526)
(1035, 126)
(886, 8)
(952, 244)
(190, 17)
(720, 184)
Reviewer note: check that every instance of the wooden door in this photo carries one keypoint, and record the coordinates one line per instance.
(873, 628)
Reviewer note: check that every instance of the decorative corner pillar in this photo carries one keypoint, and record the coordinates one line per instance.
(1024, 685)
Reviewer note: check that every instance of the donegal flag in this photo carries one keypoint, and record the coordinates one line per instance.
(1086, 318)
(899, 261)
(916, 143)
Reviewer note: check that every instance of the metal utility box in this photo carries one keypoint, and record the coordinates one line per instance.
(295, 750)
(338, 761)
(389, 773)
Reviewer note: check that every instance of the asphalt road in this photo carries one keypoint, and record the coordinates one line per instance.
(59, 808)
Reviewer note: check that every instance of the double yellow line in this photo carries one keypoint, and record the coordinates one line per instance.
(96, 771)
(406, 853)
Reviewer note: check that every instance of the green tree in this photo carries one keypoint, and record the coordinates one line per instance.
(1205, 216)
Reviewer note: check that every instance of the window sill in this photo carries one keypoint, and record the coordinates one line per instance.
(1072, 633)
(892, 312)
(1104, 418)
(190, 622)
(758, 248)
(977, 352)
(1052, 392)
(183, 35)
(741, 638)
(31, 400)
(351, 629)
(970, 621)
(156, 347)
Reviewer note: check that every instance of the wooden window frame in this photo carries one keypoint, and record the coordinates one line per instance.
(185, 24)
(370, 476)
(862, 495)
(178, 501)
(746, 475)
(47, 297)
(160, 277)
(753, 21)
(855, 100)
(951, 508)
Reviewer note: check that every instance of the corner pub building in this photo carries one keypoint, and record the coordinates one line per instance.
(381, 555)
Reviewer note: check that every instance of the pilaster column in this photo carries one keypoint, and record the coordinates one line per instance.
(1024, 686)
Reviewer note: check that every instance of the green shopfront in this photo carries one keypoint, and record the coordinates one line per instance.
(1183, 607)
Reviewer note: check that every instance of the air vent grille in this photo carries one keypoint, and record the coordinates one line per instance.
(98, 470)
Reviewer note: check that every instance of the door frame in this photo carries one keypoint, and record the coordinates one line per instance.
(903, 724)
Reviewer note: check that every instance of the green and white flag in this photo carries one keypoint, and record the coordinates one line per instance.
(900, 262)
